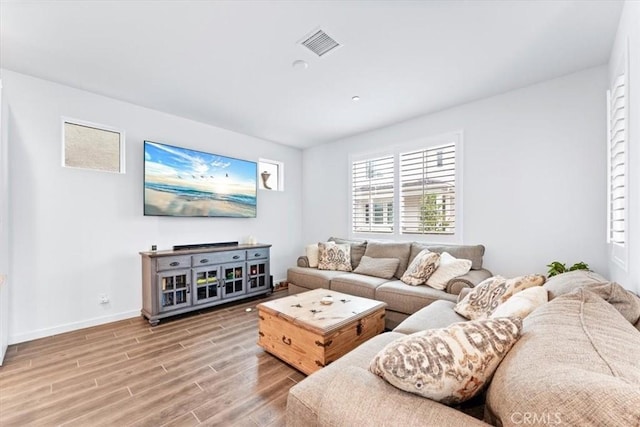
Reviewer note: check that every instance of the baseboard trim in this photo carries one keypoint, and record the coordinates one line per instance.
(68, 327)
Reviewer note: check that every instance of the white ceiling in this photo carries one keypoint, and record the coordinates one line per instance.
(229, 63)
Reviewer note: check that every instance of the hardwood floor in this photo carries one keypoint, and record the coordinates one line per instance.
(201, 369)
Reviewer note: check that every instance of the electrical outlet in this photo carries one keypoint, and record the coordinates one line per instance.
(104, 299)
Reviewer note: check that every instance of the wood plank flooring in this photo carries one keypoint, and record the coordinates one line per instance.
(200, 369)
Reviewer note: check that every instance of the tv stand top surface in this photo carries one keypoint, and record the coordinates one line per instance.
(204, 245)
(203, 249)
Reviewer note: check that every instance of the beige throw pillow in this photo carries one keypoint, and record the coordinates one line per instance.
(421, 268)
(312, 252)
(332, 256)
(449, 268)
(449, 365)
(522, 304)
(482, 300)
(377, 267)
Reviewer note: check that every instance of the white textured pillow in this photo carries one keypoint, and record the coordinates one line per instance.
(448, 365)
(312, 251)
(522, 304)
(449, 268)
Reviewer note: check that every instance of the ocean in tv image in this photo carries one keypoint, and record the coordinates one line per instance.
(183, 182)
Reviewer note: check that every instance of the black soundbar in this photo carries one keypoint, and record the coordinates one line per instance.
(204, 245)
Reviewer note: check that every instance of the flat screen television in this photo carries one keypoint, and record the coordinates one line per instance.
(183, 182)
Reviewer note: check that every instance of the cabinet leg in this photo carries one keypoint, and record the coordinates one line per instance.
(154, 322)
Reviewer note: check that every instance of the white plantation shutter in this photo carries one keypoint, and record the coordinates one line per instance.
(428, 190)
(373, 193)
(617, 163)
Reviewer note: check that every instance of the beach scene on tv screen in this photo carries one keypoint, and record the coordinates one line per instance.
(183, 182)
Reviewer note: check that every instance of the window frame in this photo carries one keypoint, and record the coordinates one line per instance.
(619, 252)
(370, 205)
(456, 137)
(100, 127)
(279, 179)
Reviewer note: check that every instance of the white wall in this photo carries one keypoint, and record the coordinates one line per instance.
(76, 234)
(534, 173)
(4, 231)
(629, 32)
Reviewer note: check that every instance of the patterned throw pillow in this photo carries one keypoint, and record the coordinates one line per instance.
(421, 268)
(448, 365)
(449, 268)
(482, 300)
(332, 256)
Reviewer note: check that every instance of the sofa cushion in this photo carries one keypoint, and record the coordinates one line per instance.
(357, 284)
(304, 400)
(626, 302)
(566, 282)
(384, 268)
(333, 256)
(470, 252)
(448, 268)
(391, 250)
(438, 314)
(408, 299)
(357, 249)
(311, 278)
(522, 304)
(449, 365)
(359, 398)
(585, 354)
(482, 300)
(421, 268)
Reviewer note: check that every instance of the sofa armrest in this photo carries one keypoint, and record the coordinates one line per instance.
(469, 280)
(303, 261)
(358, 397)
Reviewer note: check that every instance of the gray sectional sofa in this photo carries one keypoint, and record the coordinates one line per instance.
(575, 365)
(402, 299)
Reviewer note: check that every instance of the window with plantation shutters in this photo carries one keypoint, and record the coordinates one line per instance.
(373, 195)
(428, 190)
(412, 191)
(617, 164)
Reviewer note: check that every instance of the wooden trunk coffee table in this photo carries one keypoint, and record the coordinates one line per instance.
(308, 335)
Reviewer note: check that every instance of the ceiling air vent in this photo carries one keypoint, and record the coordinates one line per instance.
(320, 43)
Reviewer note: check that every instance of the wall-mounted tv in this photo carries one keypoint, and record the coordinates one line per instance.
(183, 182)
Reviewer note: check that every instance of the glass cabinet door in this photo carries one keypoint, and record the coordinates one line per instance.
(175, 289)
(234, 279)
(258, 278)
(206, 284)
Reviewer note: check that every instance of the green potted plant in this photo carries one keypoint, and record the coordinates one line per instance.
(556, 267)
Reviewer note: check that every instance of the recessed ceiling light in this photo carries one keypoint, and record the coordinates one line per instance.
(299, 64)
(355, 98)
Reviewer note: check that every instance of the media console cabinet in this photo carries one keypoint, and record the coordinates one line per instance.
(175, 282)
